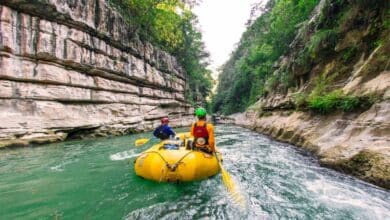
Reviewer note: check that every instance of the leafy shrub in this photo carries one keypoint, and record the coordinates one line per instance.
(300, 100)
(349, 103)
(378, 42)
(321, 85)
(325, 103)
(272, 83)
(265, 40)
(322, 41)
(349, 53)
(337, 100)
(287, 79)
(303, 57)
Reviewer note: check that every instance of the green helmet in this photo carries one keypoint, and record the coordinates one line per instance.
(200, 112)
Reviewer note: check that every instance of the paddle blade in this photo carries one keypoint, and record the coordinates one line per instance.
(141, 141)
(233, 190)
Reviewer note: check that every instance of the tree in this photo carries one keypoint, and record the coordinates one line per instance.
(247, 75)
(171, 26)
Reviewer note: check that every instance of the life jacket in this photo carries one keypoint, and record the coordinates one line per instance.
(161, 134)
(201, 135)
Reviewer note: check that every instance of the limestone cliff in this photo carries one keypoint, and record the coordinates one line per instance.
(350, 48)
(69, 69)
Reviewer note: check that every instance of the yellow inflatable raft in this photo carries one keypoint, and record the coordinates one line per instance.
(172, 161)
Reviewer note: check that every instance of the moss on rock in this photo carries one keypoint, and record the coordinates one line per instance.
(367, 165)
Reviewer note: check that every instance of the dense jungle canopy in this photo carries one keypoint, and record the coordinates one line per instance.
(247, 74)
(267, 60)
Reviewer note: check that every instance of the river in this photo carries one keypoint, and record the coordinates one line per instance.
(94, 179)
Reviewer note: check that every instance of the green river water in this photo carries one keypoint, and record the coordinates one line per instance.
(94, 179)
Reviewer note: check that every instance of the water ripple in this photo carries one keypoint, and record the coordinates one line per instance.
(94, 179)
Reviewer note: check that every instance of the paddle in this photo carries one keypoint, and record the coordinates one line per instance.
(141, 141)
(231, 186)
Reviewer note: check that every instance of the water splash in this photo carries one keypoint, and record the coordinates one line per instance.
(90, 179)
(123, 155)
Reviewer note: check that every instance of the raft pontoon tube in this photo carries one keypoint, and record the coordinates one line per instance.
(175, 161)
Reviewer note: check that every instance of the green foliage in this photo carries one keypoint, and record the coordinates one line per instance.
(300, 100)
(286, 80)
(257, 67)
(326, 103)
(349, 53)
(379, 42)
(155, 21)
(170, 25)
(248, 73)
(349, 103)
(369, 4)
(332, 14)
(321, 86)
(386, 22)
(303, 59)
(337, 100)
(279, 81)
(272, 83)
(322, 41)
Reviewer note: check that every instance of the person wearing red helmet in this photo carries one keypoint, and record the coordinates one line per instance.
(164, 131)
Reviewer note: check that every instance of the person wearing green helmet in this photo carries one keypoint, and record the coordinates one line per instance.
(203, 132)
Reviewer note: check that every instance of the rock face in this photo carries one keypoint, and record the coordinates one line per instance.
(69, 69)
(356, 142)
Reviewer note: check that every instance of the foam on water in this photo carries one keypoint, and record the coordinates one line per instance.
(340, 194)
(123, 155)
(95, 179)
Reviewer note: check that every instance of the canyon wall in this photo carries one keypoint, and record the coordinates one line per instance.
(355, 141)
(73, 69)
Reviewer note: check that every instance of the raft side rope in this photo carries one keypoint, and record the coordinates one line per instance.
(174, 166)
(171, 167)
(163, 173)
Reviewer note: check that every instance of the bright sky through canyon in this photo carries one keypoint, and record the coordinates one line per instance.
(222, 23)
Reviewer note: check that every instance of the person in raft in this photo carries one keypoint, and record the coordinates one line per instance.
(203, 132)
(163, 131)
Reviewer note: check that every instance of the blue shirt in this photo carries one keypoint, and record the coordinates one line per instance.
(165, 129)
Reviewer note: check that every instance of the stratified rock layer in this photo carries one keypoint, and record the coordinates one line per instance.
(69, 69)
(355, 141)
(358, 144)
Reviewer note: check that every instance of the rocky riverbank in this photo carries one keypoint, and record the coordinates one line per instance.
(357, 144)
(72, 69)
(338, 102)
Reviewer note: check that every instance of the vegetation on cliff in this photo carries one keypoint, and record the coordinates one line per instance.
(171, 26)
(285, 52)
(244, 76)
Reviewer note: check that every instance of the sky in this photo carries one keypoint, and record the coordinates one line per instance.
(222, 23)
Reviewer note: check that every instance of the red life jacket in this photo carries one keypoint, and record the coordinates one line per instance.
(201, 135)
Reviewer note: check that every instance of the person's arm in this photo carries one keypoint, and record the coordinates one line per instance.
(171, 132)
(210, 129)
(192, 130)
(155, 132)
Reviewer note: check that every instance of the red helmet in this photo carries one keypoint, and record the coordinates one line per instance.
(165, 120)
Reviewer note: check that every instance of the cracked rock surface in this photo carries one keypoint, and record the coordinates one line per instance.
(66, 72)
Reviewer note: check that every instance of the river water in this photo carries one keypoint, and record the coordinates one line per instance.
(94, 179)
